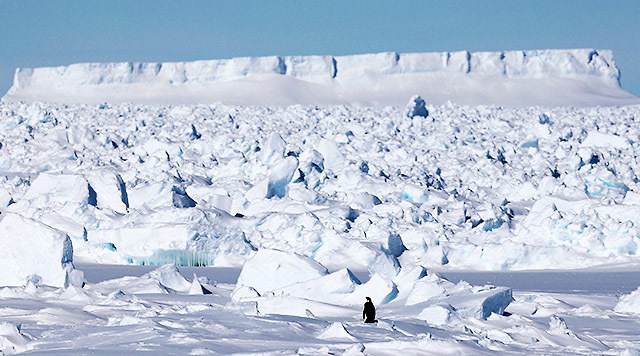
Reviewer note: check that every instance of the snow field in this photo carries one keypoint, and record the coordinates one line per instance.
(159, 312)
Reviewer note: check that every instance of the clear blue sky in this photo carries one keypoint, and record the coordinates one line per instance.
(56, 32)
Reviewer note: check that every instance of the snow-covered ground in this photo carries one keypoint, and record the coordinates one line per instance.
(139, 315)
(281, 220)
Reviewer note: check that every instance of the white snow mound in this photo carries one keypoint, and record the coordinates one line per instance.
(169, 276)
(336, 331)
(629, 303)
(269, 270)
(32, 248)
(12, 341)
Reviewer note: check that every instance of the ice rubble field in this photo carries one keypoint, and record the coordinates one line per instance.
(301, 198)
(481, 188)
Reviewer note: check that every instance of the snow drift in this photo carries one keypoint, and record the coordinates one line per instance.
(278, 282)
(579, 77)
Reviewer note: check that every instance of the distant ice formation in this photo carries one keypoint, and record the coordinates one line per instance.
(579, 77)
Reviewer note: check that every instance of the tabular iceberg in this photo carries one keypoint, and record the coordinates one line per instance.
(578, 77)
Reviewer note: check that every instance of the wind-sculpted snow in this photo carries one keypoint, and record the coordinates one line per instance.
(466, 187)
(272, 275)
(159, 313)
(582, 77)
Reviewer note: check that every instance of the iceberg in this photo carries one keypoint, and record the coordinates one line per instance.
(577, 77)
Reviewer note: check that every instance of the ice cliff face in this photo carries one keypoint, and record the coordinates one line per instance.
(583, 77)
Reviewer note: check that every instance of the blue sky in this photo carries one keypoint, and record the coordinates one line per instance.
(53, 32)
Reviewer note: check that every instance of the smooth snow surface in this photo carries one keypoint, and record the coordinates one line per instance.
(482, 188)
(579, 77)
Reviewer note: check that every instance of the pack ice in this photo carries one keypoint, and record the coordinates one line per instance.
(485, 188)
(578, 77)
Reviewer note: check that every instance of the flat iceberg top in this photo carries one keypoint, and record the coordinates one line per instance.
(578, 77)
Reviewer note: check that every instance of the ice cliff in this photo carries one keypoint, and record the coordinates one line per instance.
(579, 77)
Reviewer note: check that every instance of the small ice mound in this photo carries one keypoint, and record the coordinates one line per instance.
(119, 297)
(269, 270)
(181, 199)
(629, 303)
(280, 176)
(244, 307)
(333, 159)
(416, 107)
(381, 290)
(55, 190)
(12, 341)
(468, 301)
(274, 149)
(32, 248)
(437, 314)
(125, 320)
(481, 302)
(5, 198)
(333, 288)
(74, 277)
(110, 190)
(406, 279)
(337, 332)
(598, 139)
(76, 294)
(12, 292)
(599, 181)
(244, 292)
(557, 326)
(590, 311)
(309, 314)
(365, 201)
(169, 276)
(33, 282)
(425, 290)
(133, 285)
(415, 193)
(395, 244)
(202, 351)
(197, 288)
(355, 350)
(384, 264)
